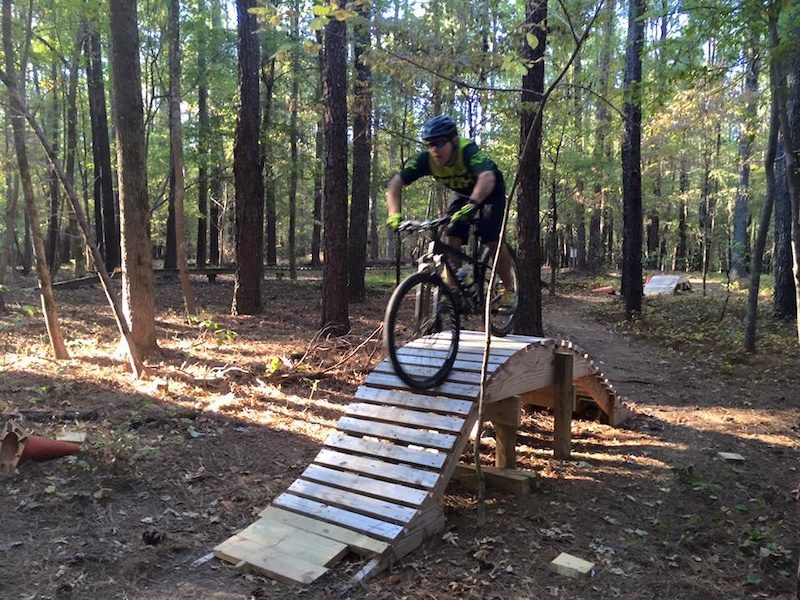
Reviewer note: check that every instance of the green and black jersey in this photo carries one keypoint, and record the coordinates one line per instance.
(469, 162)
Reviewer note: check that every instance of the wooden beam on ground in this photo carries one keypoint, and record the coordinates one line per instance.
(507, 480)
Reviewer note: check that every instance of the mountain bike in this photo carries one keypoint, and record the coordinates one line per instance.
(424, 315)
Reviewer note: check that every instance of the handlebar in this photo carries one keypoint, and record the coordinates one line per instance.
(414, 226)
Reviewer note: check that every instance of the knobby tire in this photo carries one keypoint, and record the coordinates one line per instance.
(421, 330)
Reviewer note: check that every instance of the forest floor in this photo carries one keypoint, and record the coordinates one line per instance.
(234, 408)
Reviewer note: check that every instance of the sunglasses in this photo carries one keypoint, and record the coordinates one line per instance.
(437, 143)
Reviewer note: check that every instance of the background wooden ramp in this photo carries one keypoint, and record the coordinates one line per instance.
(376, 487)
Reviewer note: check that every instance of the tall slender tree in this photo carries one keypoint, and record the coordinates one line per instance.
(362, 150)
(105, 203)
(138, 286)
(176, 146)
(785, 65)
(246, 161)
(747, 133)
(529, 253)
(203, 137)
(632, 162)
(18, 127)
(595, 258)
(335, 316)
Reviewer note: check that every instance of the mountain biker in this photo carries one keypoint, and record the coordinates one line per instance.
(458, 164)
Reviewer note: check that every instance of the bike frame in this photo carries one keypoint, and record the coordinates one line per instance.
(442, 253)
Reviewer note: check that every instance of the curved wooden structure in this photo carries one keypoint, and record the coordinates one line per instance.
(376, 487)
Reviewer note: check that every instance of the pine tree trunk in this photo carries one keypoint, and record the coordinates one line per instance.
(362, 150)
(335, 318)
(18, 128)
(176, 143)
(138, 287)
(761, 239)
(529, 253)
(631, 163)
(747, 130)
(105, 202)
(247, 175)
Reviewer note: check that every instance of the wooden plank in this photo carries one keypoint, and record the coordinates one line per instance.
(421, 369)
(358, 542)
(345, 518)
(470, 363)
(468, 358)
(469, 343)
(426, 439)
(469, 340)
(272, 563)
(377, 468)
(235, 549)
(420, 366)
(310, 547)
(452, 390)
(365, 485)
(251, 556)
(414, 456)
(415, 418)
(373, 507)
(409, 400)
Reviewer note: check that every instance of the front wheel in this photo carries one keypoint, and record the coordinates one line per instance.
(421, 330)
(504, 297)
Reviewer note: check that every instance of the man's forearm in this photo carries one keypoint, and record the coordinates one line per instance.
(484, 186)
(394, 195)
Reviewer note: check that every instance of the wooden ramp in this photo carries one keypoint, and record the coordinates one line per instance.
(376, 487)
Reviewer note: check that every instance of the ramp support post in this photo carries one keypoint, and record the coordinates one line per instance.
(564, 405)
(506, 417)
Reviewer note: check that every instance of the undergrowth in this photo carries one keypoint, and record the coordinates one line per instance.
(706, 327)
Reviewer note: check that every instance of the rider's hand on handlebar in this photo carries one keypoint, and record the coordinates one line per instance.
(393, 222)
(464, 212)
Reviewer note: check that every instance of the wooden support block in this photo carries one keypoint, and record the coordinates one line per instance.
(507, 480)
(731, 456)
(505, 412)
(75, 437)
(571, 566)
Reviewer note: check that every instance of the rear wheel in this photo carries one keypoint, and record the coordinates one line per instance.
(421, 330)
(504, 305)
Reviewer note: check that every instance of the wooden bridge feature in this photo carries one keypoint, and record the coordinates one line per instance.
(376, 487)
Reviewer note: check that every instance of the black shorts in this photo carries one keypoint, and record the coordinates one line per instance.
(491, 220)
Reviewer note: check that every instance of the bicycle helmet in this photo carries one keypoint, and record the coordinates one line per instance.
(439, 127)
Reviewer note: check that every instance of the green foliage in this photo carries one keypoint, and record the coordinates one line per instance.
(211, 327)
(710, 328)
(380, 282)
(690, 475)
(460, 57)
